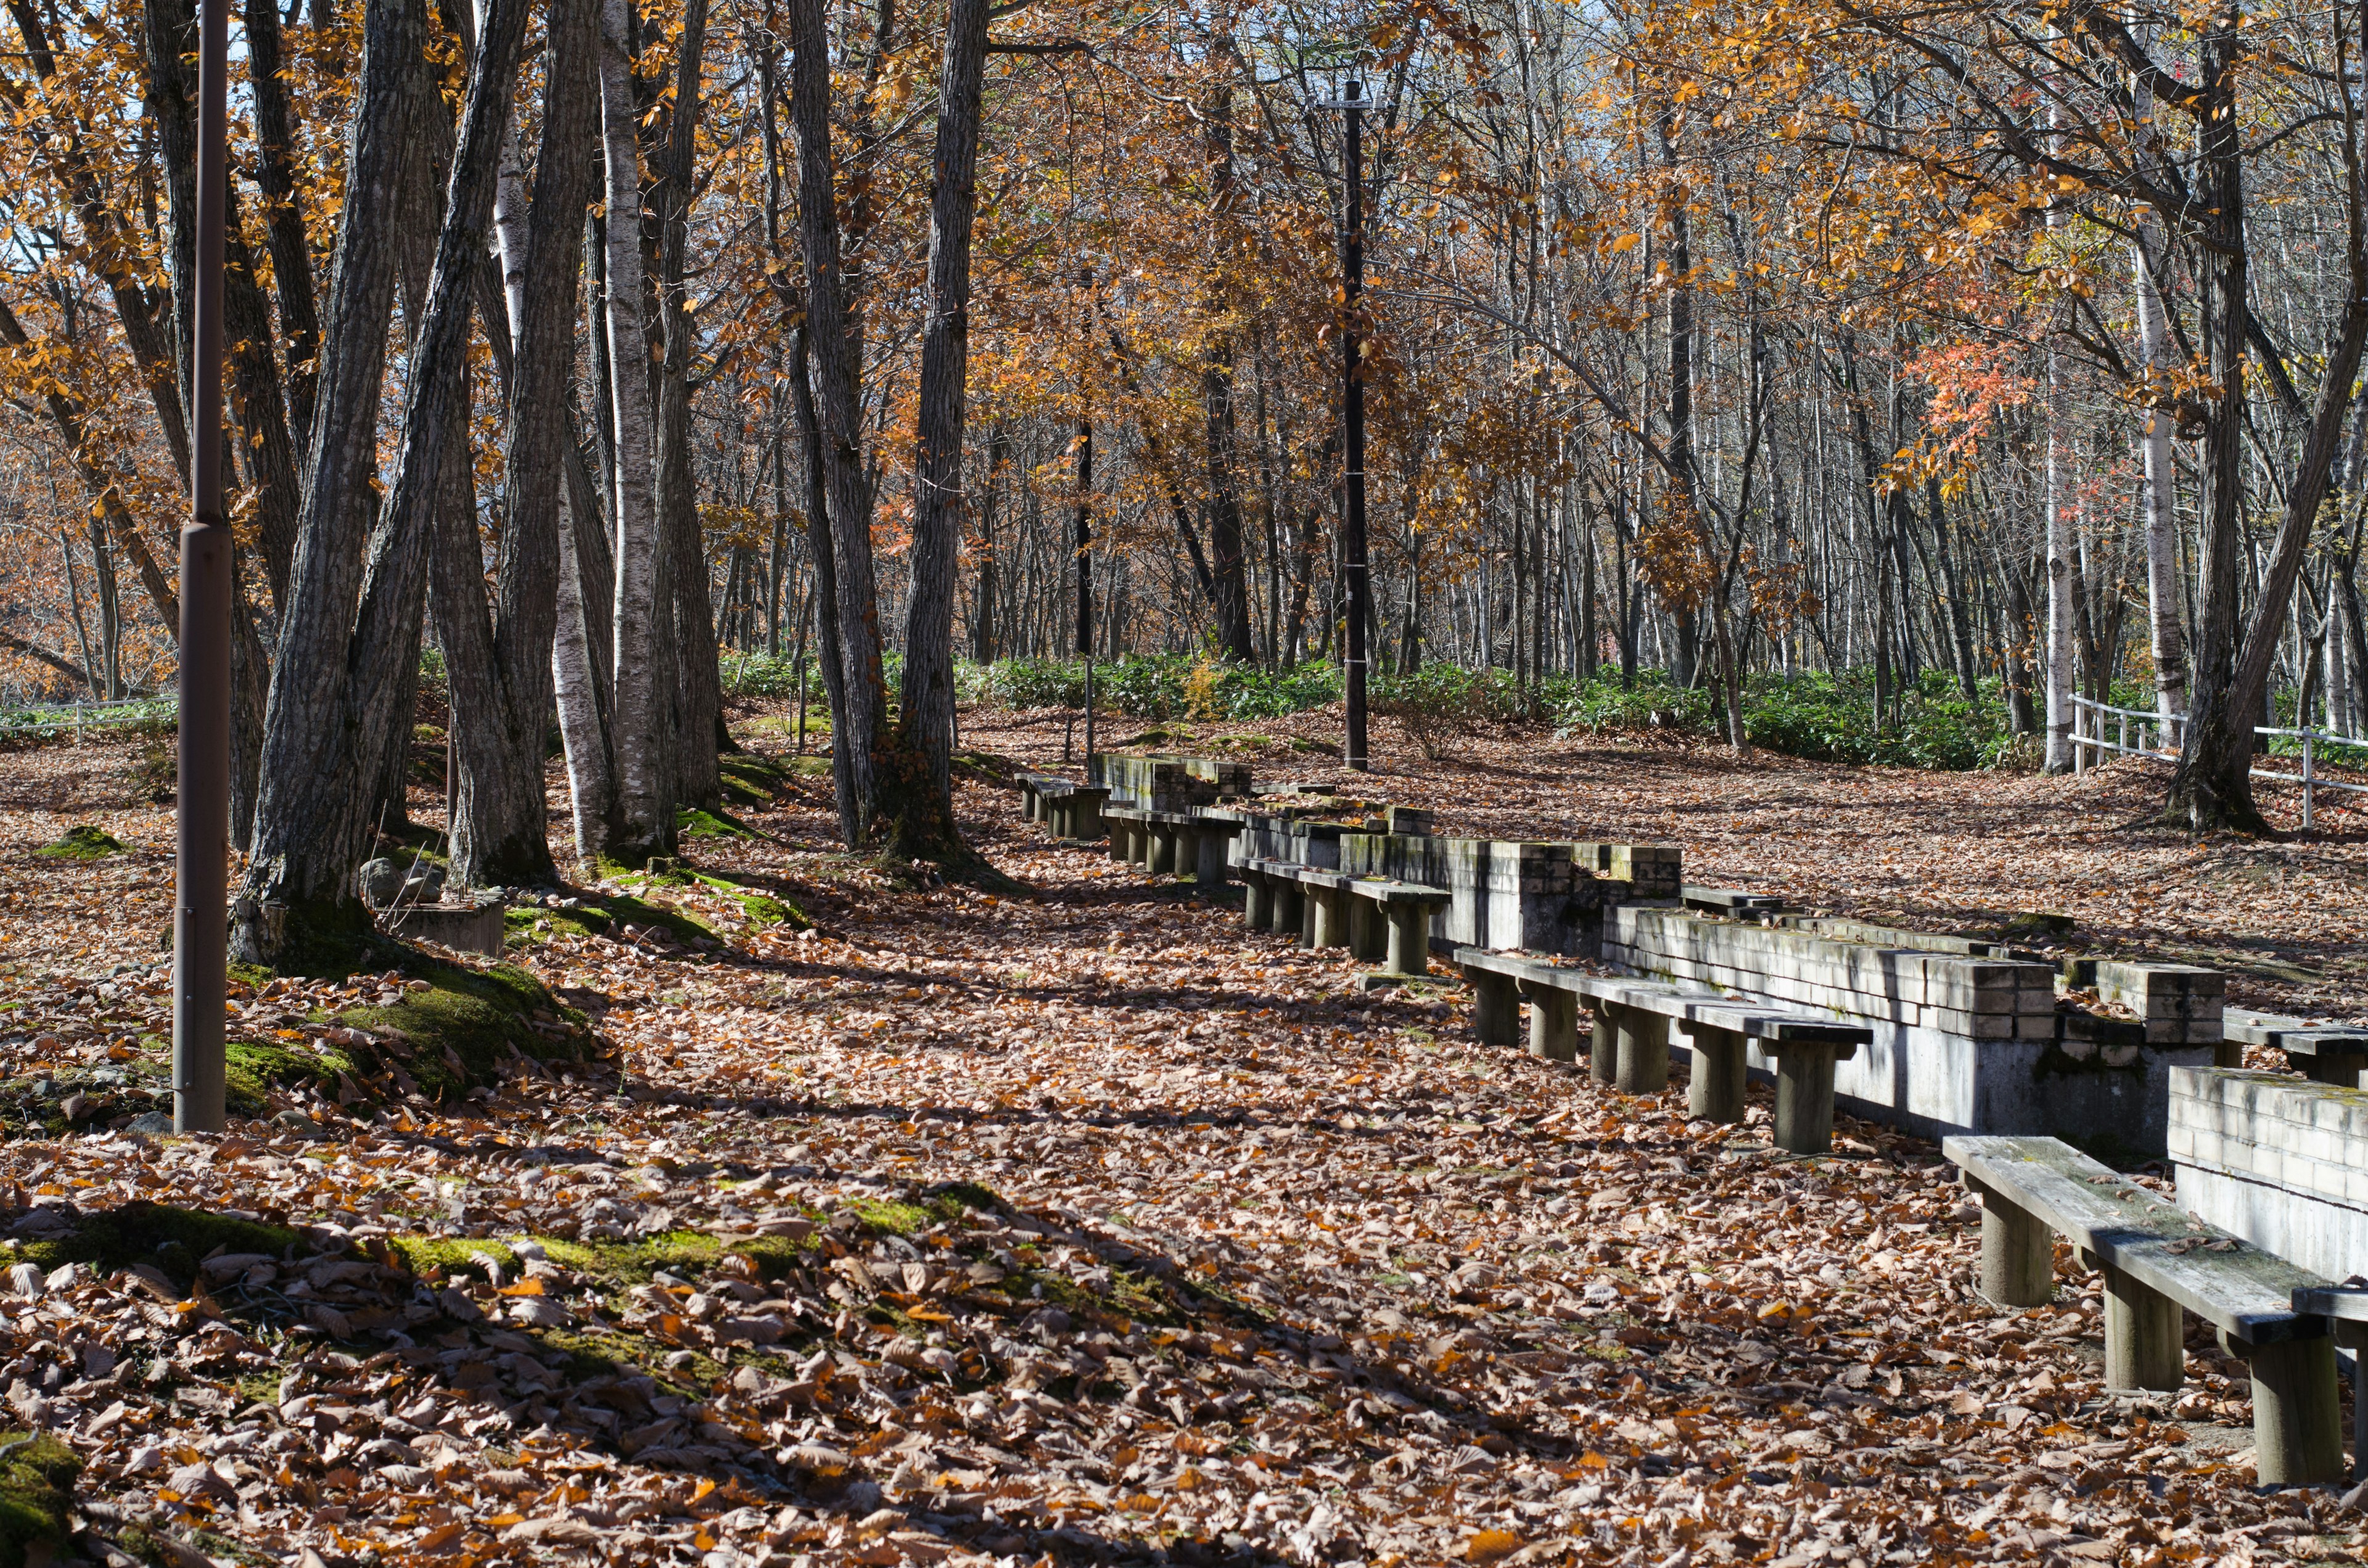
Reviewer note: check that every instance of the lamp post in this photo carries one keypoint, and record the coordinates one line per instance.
(1085, 536)
(201, 829)
(1352, 417)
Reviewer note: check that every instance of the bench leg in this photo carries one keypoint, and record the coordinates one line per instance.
(1368, 939)
(1716, 1092)
(1603, 1042)
(2228, 1054)
(1409, 939)
(1288, 904)
(1805, 1099)
(1495, 1009)
(1258, 895)
(1188, 853)
(1065, 819)
(1644, 1045)
(1554, 1023)
(1209, 867)
(2297, 1425)
(2018, 1255)
(1089, 825)
(1161, 861)
(1327, 917)
(2143, 1336)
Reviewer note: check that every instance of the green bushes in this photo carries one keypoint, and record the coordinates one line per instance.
(1821, 717)
(1824, 718)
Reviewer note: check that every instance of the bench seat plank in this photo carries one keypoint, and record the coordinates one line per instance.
(2221, 1279)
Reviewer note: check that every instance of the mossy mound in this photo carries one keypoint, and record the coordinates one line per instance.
(465, 1027)
(37, 1481)
(167, 1238)
(253, 1069)
(691, 822)
(756, 782)
(607, 916)
(84, 840)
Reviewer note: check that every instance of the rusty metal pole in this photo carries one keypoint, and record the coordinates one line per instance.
(1352, 411)
(1085, 538)
(202, 837)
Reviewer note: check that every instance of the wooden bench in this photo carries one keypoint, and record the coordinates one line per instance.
(2157, 1261)
(1169, 843)
(2325, 1054)
(1631, 1040)
(2345, 1307)
(1375, 918)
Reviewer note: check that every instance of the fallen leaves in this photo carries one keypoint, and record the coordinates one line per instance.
(967, 1227)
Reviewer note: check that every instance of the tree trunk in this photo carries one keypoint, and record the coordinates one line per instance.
(2212, 788)
(644, 805)
(697, 696)
(329, 733)
(919, 790)
(2160, 492)
(501, 831)
(2055, 497)
(860, 730)
(308, 768)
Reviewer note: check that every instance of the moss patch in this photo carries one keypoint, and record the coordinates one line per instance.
(253, 1070)
(633, 1263)
(693, 823)
(166, 1238)
(607, 916)
(755, 780)
(462, 1030)
(37, 1479)
(84, 840)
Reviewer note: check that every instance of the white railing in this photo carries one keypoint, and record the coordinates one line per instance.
(57, 718)
(2089, 724)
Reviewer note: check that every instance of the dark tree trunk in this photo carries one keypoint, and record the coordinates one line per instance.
(501, 831)
(698, 692)
(2212, 789)
(859, 728)
(275, 175)
(918, 786)
(331, 724)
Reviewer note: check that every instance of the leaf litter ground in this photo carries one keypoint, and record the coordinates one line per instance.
(1074, 1227)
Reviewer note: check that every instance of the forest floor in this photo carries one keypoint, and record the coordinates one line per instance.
(900, 1222)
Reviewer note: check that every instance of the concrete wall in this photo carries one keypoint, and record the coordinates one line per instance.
(1961, 1043)
(2281, 1162)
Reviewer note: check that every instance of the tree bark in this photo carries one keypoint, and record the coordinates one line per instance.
(644, 823)
(919, 789)
(857, 729)
(698, 697)
(501, 831)
(331, 724)
(2212, 788)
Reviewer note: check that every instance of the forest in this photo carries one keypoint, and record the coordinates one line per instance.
(1918, 352)
(1005, 782)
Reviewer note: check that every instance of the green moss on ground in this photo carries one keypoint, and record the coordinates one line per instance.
(37, 1481)
(158, 1235)
(84, 840)
(254, 1069)
(755, 780)
(461, 1031)
(693, 822)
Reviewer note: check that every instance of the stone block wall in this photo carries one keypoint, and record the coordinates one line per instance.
(1155, 783)
(1961, 1043)
(2281, 1160)
(1979, 998)
(2178, 1005)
